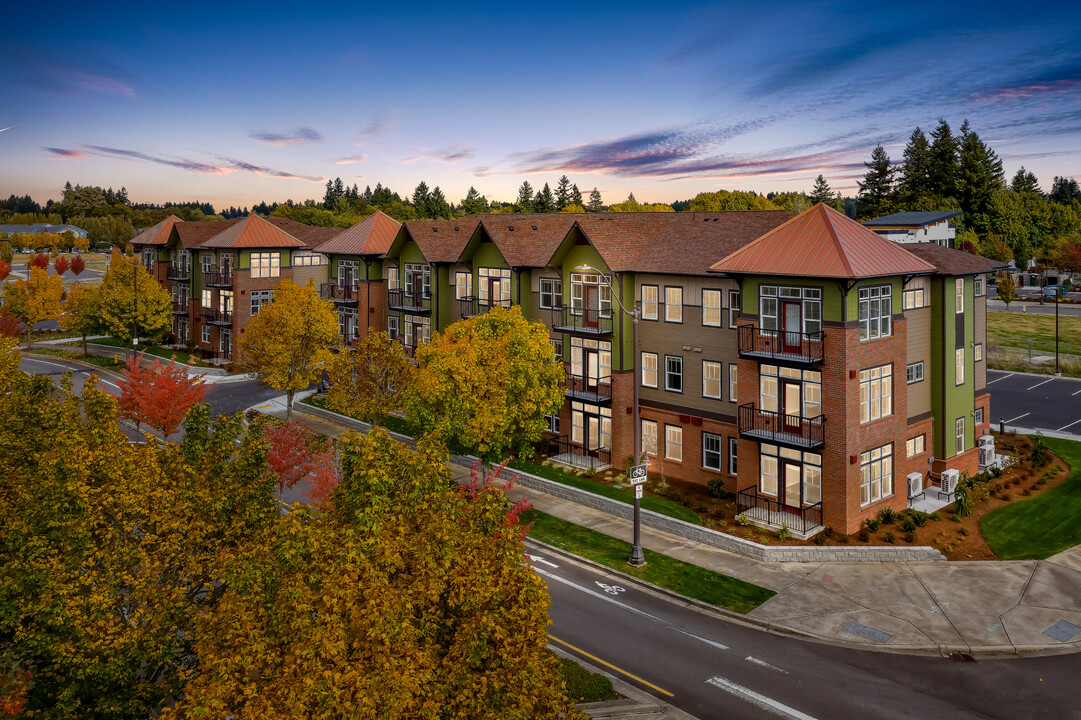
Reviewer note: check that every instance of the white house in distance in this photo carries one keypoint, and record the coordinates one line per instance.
(913, 227)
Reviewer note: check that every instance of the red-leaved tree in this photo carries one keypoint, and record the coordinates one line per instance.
(159, 395)
(5, 270)
(10, 324)
(13, 687)
(40, 260)
(61, 265)
(479, 484)
(296, 454)
(78, 265)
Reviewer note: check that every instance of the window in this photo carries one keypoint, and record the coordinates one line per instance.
(596, 368)
(206, 333)
(418, 280)
(149, 256)
(810, 299)
(417, 330)
(307, 260)
(733, 443)
(673, 373)
(914, 446)
(207, 299)
(979, 416)
(491, 280)
(649, 437)
(649, 369)
(184, 260)
(551, 292)
(876, 474)
(876, 393)
(959, 436)
(913, 299)
(592, 425)
(711, 379)
(673, 304)
(392, 327)
(875, 312)
(265, 264)
(553, 423)
(977, 285)
(348, 274)
(914, 372)
(959, 366)
(733, 307)
(711, 451)
(711, 308)
(599, 293)
(732, 385)
(767, 469)
(225, 342)
(463, 285)
(347, 323)
(207, 260)
(767, 387)
(812, 478)
(673, 442)
(557, 346)
(812, 393)
(959, 295)
(649, 302)
(225, 301)
(392, 278)
(977, 352)
(259, 298)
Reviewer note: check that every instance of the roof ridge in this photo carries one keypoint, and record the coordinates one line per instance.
(842, 248)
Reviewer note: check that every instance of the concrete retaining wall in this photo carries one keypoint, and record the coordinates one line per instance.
(124, 352)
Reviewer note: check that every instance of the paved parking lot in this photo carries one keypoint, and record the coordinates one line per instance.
(1036, 402)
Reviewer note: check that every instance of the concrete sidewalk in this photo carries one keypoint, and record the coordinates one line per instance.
(979, 608)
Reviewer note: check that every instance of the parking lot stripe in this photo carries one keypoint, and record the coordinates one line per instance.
(1041, 383)
(1066, 426)
(1016, 418)
(1001, 378)
(1076, 393)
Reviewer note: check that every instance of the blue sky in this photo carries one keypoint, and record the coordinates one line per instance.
(238, 103)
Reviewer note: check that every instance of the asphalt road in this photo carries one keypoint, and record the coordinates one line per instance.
(1041, 402)
(712, 668)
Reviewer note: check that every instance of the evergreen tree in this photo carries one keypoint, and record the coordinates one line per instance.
(329, 201)
(563, 193)
(1063, 190)
(437, 204)
(1024, 181)
(595, 203)
(979, 175)
(943, 169)
(876, 190)
(421, 200)
(368, 194)
(524, 204)
(915, 179)
(576, 196)
(823, 193)
(474, 202)
(544, 202)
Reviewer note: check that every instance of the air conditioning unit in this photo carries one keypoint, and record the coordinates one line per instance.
(949, 482)
(987, 456)
(915, 485)
(986, 441)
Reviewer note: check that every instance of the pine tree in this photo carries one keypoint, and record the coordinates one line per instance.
(576, 196)
(437, 204)
(474, 203)
(595, 203)
(876, 190)
(563, 193)
(1024, 181)
(524, 203)
(823, 193)
(943, 167)
(1063, 190)
(915, 179)
(544, 202)
(980, 174)
(421, 200)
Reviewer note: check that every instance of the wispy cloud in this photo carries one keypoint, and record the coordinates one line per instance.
(9, 127)
(455, 153)
(225, 167)
(1055, 80)
(350, 159)
(269, 172)
(39, 71)
(64, 152)
(376, 127)
(299, 136)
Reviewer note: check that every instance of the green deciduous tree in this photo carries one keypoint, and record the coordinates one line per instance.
(725, 200)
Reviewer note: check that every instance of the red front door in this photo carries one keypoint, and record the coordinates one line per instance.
(791, 327)
(790, 407)
(592, 297)
(418, 289)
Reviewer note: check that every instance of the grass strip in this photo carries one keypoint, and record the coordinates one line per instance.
(105, 362)
(675, 575)
(392, 423)
(156, 350)
(1042, 526)
(1016, 329)
(655, 504)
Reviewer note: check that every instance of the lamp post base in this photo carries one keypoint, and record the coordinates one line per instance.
(637, 558)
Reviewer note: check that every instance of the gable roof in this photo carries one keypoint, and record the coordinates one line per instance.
(911, 219)
(439, 240)
(193, 234)
(310, 235)
(948, 261)
(527, 240)
(371, 236)
(821, 242)
(253, 231)
(157, 234)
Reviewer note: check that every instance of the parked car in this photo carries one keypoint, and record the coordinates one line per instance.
(1050, 292)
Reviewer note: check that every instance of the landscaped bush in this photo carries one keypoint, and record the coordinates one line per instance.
(887, 516)
(888, 537)
(908, 525)
(872, 524)
(583, 685)
(864, 536)
(716, 488)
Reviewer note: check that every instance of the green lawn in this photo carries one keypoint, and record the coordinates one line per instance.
(676, 575)
(157, 350)
(656, 504)
(1044, 525)
(1015, 329)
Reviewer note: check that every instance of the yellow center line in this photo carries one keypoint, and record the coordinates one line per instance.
(609, 665)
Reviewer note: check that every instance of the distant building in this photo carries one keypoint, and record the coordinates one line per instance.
(913, 227)
(38, 228)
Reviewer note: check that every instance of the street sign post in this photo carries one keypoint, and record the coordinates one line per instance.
(637, 492)
(638, 474)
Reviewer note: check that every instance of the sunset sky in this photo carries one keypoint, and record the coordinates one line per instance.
(237, 103)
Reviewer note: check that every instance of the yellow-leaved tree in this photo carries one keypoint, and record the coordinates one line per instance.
(370, 381)
(128, 298)
(486, 383)
(36, 299)
(409, 600)
(81, 313)
(287, 345)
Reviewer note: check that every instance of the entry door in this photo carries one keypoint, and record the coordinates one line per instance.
(345, 279)
(593, 434)
(495, 292)
(791, 484)
(226, 265)
(593, 370)
(790, 406)
(592, 296)
(418, 335)
(418, 289)
(791, 326)
(182, 329)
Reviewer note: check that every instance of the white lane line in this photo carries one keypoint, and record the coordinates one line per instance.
(46, 362)
(760, 701)
(1041, 383)
(538, 559)
(610, 599)
(1016, 418)
(763, 663)
(1066, 426)
(1001, 378)
(1076, 393)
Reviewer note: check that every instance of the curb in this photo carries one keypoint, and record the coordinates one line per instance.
(88, 366)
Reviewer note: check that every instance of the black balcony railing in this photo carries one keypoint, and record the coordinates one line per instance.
(791, 430)
(217, 317)
(472, 306)
(589, 389)
(587, 321)
(340, 295)
(769, 510)
(218, 278)
(181, 307)
(413, 301)
(178, 274)
(758, 344)
(562, 450)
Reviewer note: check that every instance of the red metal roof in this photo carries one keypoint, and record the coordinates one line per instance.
(371, 236)
(822, 242)
(157, 234)
(253, 231)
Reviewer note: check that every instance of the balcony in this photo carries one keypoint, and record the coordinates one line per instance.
(767, 511)
(182, 307)
(340, 295)
(796, 348)
(218, 279)
(790, 430)
(561, 450)
(409, 301)
(217, 317)
(472, 306)
(178, 274)
(582, 321)
(587, 389)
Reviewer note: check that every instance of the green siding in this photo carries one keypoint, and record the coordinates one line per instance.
(575, 259)
(950, 401)
(831, 294)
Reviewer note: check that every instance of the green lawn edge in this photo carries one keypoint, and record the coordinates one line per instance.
(156, 350)
(392, 423)
(654, 504)
(684, 578)
(1042, 526)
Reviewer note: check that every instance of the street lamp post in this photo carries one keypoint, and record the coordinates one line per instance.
(637, 557)
(134, 305)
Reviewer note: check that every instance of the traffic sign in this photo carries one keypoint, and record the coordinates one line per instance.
(638, 474)
(637, 492)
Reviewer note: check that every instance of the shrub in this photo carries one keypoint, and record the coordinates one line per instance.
(716, 488)
(888, 537)
(583, 685)
(962, 531)
(828, 531)
(864, 536)
(843, 539)
(910, 537)
(920, 518)
(743, 520)
(1039, 453)
(908, 525)
(962, 503)
(819, 539)
(887, 516)
(782, 534)
(996, 471)
(1041, 481)
(872, 524)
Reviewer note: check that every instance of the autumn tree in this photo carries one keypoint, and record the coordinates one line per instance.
(40, 260)
(486, 383)
(35, 300)
(370, 382)
(10, 324)
(125, 301)
(725, 200)
(296, 454)
(1007, 290)
(5, 269)
(81, 312)
(61, 265)
(77, 266)
(288, 343)
(159, 395)
(410, 600)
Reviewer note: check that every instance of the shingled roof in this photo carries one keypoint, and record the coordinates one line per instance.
(441, 240)
(253, 231)
(311, 236)
(194, 234)
(527, 240)
(371, 236)
(821, 242)
(157, 234)
(948, 261)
